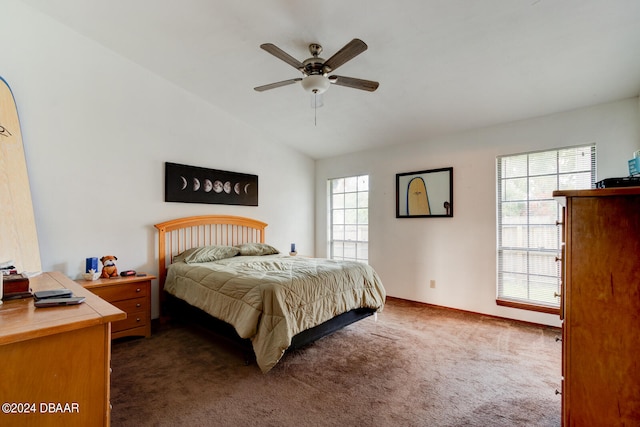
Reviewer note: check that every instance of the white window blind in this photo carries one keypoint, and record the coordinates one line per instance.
(349, 218)
(528, 238)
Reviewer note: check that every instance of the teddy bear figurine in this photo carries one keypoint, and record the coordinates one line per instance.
(109, 268)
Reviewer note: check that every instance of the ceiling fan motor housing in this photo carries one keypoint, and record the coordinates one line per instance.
(313, 66)
(316, 75)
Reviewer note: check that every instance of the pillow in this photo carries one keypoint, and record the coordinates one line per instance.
(257, 249)
(206, 254)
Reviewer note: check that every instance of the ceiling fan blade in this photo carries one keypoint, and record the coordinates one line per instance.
(277, 84)
(361, 84)
(281, 54)
(352, 49)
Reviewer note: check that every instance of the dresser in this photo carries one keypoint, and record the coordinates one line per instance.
(600, 307)
(130, 294)
(55, 362)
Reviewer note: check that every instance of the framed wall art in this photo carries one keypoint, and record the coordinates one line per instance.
(424, 194)
(193, 184)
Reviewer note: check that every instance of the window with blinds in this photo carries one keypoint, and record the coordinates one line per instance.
(528, 238)
(349, 218)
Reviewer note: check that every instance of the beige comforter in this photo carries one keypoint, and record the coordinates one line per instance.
(269, 299)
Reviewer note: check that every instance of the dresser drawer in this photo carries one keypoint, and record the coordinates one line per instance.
(123, 291)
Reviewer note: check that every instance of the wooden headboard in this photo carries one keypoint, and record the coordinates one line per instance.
(178, 235)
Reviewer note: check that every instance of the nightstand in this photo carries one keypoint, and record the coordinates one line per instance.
(130, 294)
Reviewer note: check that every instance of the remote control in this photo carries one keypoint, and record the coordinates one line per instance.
(128, 273)
(55, 302)
(53, 293)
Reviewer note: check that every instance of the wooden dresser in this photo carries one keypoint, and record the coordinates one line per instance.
(55, 362)
(600, 307)
(130, 294)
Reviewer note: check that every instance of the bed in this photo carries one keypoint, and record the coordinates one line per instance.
(220, 267)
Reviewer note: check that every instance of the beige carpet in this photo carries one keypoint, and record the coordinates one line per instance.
(416, 366)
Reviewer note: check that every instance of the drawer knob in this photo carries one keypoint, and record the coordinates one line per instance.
(137, 319)
(138, 305)
(138, 289)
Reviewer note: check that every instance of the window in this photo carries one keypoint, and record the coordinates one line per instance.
(529, 239)
(349, 218)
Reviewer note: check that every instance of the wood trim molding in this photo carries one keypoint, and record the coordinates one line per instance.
(530, 307)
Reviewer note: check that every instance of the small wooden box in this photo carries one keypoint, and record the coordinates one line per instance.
(14, 284)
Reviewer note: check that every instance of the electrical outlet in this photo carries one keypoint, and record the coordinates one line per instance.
(432, 283)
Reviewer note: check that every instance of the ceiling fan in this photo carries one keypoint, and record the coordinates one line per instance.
(315, 70)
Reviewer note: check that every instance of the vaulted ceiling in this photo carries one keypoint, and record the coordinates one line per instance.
(443, 65)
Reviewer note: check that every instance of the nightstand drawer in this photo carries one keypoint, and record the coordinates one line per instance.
(132, 305)
(123, 291)
(133, 320)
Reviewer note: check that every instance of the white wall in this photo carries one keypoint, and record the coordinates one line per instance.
(459, 253)
(97, 130)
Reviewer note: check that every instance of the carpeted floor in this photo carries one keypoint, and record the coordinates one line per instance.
(416, 366)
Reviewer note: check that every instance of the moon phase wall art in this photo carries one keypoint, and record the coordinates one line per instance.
(192, 184)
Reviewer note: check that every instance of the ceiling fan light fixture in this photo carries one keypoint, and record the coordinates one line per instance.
(315, 83)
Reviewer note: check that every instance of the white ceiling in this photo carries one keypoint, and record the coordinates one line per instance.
(443, 65)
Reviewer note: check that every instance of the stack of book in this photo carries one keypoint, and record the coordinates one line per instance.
(15, 285)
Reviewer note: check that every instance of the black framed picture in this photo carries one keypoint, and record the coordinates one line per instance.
(425, 194)
(193, 184)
